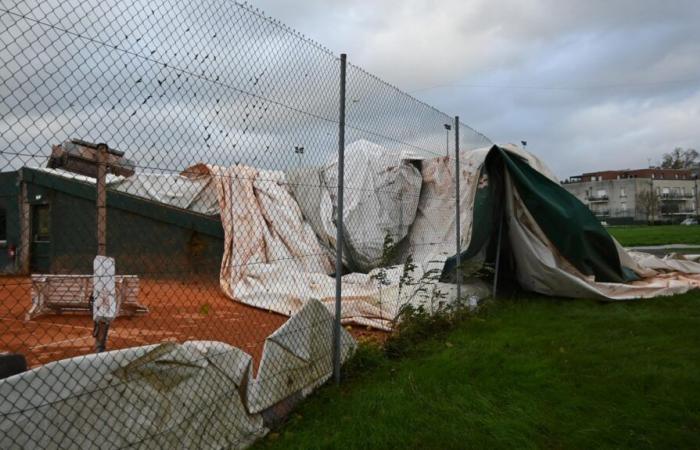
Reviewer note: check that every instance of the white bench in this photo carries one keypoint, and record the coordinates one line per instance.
(70, 294)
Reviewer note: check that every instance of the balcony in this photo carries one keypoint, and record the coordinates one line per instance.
(597, 198)
(671, 197)
(678, 212)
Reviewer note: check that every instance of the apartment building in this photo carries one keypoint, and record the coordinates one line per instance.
(623, 196)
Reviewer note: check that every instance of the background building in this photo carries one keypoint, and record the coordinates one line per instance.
(627, 196)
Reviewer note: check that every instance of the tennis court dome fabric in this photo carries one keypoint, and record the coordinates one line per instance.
(280, 234)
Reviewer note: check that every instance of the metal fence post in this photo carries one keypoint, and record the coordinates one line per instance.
(339, 222)
(457, 221)
(498, 255)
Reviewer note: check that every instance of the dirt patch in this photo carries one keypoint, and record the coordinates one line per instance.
(178, 311)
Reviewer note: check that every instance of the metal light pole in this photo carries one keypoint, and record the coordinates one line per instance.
(695, 177)
(448, 127)
(299, 151)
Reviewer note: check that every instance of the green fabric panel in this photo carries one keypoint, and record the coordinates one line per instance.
(566, 222)
(482, 222)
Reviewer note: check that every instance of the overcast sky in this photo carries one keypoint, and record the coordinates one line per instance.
(589, 84)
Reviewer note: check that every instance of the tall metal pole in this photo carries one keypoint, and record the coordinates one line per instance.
(498, 256)
(457, 221)
(339, 222)
(696, 195)
(101, 199)
(447, 142)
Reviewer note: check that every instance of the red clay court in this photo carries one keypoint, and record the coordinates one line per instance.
(178, 311)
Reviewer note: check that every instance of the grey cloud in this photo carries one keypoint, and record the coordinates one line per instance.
(610, 59)
(586, 83)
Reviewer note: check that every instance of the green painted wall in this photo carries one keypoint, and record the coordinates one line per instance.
(9, 197)
(145, 238)
(140, 245)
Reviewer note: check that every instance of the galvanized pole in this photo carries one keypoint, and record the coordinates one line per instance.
(457, 221)
(696, 195)
(498, 255)
(101, 199)
(339, 222)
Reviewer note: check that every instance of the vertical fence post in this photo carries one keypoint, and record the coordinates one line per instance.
(498, 255)
(339, 223)
(457, 221)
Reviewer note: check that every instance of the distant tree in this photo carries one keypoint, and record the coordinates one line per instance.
(680, 158)
(648, 203)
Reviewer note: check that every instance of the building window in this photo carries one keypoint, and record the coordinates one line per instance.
(622, 192)
(41, 223)
(623, 205)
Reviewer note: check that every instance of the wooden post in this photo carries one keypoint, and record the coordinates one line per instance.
(25, 229)
(102, 199)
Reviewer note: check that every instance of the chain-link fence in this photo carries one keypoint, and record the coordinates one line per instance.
(191, 195)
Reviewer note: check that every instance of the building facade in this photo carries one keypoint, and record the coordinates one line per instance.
(628, 196)
(48, 226)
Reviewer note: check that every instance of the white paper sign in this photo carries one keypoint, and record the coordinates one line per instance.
(103, 289)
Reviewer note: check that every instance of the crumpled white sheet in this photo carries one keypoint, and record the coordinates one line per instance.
(199, 394)
(382, 190)
(274, 260)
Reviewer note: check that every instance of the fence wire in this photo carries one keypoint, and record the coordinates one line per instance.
(169, 205)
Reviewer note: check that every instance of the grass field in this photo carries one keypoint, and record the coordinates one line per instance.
(526, 373)
(630, 236)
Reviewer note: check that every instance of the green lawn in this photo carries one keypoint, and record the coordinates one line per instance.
(527, 373)
(656, 235)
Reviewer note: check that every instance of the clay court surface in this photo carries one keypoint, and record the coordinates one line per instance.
(178, 311)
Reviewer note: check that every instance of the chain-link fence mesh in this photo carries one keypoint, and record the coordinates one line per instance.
(169, 194)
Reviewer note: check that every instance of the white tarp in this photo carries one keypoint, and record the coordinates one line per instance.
(158, 396)
(185, 190)
(297, 357)
(199, 394)
(178, 190)
(273, 259)
(381, 193)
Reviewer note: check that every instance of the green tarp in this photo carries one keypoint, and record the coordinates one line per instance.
(567, 223)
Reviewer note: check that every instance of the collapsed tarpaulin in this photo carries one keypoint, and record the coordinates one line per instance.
(558, 247)
(199, 394)
(273, 259)
(280, 234)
